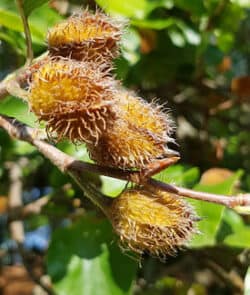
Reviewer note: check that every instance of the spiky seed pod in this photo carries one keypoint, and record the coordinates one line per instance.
(137, 137)
(126, 146)
(73, 98)
(148, 116)
(86, 36)
(155, 222)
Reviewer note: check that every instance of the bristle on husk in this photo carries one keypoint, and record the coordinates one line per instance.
(137, 137)
(86, 35)
(152, 221)
(73, 99)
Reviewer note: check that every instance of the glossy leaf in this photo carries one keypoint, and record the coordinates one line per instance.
(14, 107)
(210, 213)
(89, 263)
(112, 187)
(179, 174)
(39, 22)
(157, 24)
(12, 21)
(136, 9)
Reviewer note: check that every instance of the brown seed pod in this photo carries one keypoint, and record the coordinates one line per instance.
(152, 221)
(137, 137)
(73, 98)
(86, 36)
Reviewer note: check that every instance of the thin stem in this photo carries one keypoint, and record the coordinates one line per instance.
(231, 202)
(27, 33)
(20, 76)
(16, 226)
(95, 196)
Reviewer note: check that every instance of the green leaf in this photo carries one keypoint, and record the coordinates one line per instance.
(195, 6)
(39, 22)
(13, 22)
(240, 239)
(130, 46)
(233, 231)
(211, 213)
(23, 148)
(30, 5)
(247, 283)
(112, 187)
(134, 9)
(82, 260)
(14, 41)
(14, 107)
(176, 37)
(157, 24)
(179, 174)
(242, 3)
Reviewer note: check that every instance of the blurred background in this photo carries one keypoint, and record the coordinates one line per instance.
(192, 56)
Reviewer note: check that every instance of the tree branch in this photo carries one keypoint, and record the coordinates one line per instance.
(231, 279)
(77, 169)
(19, 78)
(15, 200)
(16, 226)
(22, 212)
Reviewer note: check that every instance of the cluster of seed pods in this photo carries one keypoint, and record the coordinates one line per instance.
(75, 94)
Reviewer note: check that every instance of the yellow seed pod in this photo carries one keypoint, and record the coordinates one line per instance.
(126, 146)
(137, 137)
(74, 99)
(86, 36)
(148, 116)
(155, 222)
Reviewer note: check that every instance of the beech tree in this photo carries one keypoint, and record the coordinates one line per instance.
(124, 141)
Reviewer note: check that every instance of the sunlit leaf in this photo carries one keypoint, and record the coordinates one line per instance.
(179, 175)
(12, 21)
(233, 231)
(39, 22)
(112, 187)
(157, 24)
(14, 107)
(210, 213)
(136, 9)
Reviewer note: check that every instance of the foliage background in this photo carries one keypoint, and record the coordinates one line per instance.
(194, 55)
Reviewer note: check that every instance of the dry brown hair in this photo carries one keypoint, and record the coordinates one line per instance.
(138, 135)
(86, 35)
(152, 221)
(74, 99)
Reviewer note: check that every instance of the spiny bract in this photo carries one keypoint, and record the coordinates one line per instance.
(138, 136)
(74, 99)
(152, 221)
(86, 35)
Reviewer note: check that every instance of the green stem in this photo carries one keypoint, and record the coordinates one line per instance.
(27, 33)
(90, 192)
